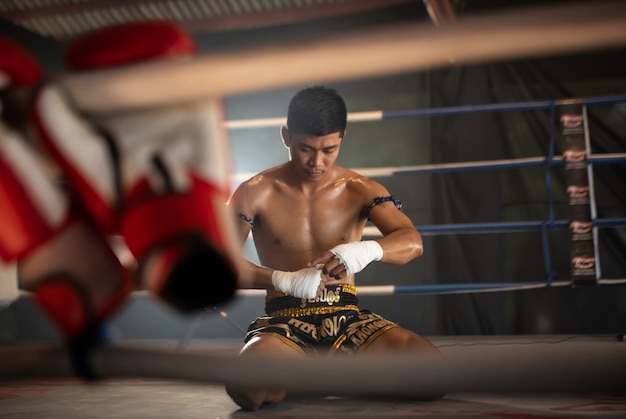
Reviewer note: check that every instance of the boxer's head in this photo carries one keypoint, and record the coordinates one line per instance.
(317, 111)
(316, 125)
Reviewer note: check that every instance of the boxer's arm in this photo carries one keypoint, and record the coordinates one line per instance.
(397, 247)
(400, 243)
(349, 258)
(304, 283)
(239, 205)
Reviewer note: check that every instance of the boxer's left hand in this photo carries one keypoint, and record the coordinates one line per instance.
(349, 258)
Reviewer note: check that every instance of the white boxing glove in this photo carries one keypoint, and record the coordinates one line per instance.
(355, 256)
(301, 284)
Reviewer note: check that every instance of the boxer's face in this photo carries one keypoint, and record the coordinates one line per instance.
(312, 157)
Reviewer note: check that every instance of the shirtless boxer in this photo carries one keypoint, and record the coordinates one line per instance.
(307, 218)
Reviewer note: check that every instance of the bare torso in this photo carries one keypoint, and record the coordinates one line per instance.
(293, 224)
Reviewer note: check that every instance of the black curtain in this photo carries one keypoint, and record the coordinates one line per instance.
(525, 194)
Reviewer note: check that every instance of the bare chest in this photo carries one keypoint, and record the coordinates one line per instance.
(292, 225)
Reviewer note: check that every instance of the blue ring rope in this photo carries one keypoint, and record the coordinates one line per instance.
(507, 164)
(379, 115)
(503, 227)
(472, 287)
(455, 110)
(449, 288)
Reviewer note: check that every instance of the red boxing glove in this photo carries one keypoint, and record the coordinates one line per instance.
(74, 275)
(128, 43)
(17, 67)
(158, 177)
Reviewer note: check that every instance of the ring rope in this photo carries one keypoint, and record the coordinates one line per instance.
(542, 369)
(499, 227)
(389, 171)
(461, 288)
(379, 115)
(439, 289)
(379, 52)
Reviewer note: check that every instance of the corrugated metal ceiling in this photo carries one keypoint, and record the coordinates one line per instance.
(63, 19)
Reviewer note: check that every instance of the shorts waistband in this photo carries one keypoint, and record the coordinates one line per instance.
(333, 299)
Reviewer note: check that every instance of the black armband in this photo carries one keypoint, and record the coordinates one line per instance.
(381, 199)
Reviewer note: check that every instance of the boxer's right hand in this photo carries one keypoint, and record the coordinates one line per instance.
(305, 283)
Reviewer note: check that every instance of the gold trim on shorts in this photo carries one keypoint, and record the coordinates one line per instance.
(310, 311)
(271, 294)
(375, 336)
(365, 344)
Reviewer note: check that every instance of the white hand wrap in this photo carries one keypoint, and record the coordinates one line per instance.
(355, 256)
(301, 284)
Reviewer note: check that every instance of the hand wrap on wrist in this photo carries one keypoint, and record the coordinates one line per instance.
(355, 256)
(301, 284)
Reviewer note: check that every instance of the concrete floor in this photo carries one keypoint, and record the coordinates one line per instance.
(140, 398)
(164, 398)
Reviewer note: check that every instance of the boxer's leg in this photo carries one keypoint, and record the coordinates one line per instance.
(399, 340)
(262, 345)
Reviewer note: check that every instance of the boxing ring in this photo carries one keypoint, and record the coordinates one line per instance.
(548, 161)
(583, 367)
(511, 367)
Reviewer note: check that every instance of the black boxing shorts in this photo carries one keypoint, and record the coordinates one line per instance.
(329, 324)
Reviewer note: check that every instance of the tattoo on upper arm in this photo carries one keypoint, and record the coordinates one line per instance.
(247, 219)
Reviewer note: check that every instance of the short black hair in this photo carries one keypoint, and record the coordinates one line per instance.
(317, 111)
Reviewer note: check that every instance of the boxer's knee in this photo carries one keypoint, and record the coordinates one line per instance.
(253, 398)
